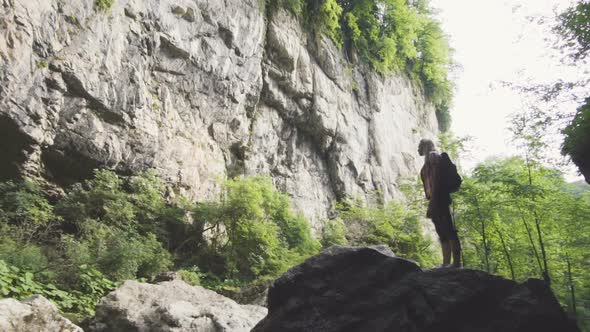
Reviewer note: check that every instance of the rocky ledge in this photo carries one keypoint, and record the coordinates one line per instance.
(368, 289)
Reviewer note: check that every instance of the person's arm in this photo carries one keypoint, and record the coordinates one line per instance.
(425, 183)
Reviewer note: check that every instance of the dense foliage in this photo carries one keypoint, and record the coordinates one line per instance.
(520, 220)
(112, 228)
(251, 232)
(577, 138)
(390, 35)
(102, 231)
(573, 25)
(78, 247)
(573, 30)
(392, 224)
(104, 4)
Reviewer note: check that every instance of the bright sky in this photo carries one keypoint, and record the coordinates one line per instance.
(494, 42)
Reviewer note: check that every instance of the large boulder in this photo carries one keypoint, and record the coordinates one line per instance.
(33, 314)
(368, 289)
(172, 306)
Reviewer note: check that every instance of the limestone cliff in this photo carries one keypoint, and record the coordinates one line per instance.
(199, 90)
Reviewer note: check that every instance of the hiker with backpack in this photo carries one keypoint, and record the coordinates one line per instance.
(440, 178)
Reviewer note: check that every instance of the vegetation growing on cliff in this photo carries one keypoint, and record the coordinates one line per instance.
(104, 4)
(390, 35)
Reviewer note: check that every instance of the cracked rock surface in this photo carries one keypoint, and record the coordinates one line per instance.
(172, 306)
(200, 90)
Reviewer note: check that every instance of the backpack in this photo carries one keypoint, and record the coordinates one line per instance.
(450, 180)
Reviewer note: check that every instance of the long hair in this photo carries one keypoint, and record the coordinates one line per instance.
(426, 146)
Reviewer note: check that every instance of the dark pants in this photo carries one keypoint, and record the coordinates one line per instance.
(443, 223)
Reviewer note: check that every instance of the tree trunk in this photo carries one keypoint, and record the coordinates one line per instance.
(571, 284)
(483, 235)
(528, 230)
(542, 245)
(506, 253)
(538, 226)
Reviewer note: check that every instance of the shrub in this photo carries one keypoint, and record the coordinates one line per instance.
(101, 198)
(254, 231)
(20, 284)
(25, 256)
(135, 205)
(191, 275)
(24, 209)
(330, 13)
(93, 286)
(104, 4)
(577, 138)
(110, 228)
(17, 283)
(42, 64)
(119, 225)
(334, 233)
(392, 225)
(117, 253)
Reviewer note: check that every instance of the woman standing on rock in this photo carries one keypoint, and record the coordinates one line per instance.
(440, 178)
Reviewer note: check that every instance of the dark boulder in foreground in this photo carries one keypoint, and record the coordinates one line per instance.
(368, 289)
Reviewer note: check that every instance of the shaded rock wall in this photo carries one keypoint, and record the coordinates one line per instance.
(199, 90)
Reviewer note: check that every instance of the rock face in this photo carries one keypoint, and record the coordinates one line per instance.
(368, 289)
(172, 306)
(33, 314)
(199, 90)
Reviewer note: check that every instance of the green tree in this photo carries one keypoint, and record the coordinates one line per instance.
(577, 139)
(573, 25)
(392, 225)
(498, 224)
(252, 232)
(24, 211)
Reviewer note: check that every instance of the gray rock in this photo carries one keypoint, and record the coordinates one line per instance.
(368, 289)
(200, 90)
(33, 314)
(172, 306)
